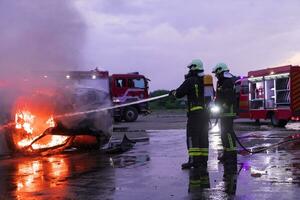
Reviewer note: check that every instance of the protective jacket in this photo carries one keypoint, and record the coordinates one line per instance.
(193, 88)
(225, 96)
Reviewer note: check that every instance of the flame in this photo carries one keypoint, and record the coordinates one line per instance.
(51, 122)
(23, 120)
(33, 114)
(31, 127)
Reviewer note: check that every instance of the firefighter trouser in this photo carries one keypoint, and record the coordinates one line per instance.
(197, 137)
(228, 139)
(198, 182)
(230, 178)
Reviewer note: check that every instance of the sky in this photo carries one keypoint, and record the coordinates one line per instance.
(157, 38)
(40, 35)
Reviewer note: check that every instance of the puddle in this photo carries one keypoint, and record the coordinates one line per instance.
(124, 161)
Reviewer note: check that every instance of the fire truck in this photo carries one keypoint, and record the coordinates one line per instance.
(272, 93)
(126, 88)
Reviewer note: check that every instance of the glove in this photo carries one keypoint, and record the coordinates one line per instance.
(172, 93)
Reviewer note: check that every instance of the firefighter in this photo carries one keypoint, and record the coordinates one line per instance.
(225, 98)
(197, 123)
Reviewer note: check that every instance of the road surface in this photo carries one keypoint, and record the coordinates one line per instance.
(151, 170)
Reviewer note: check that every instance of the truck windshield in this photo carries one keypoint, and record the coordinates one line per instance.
(137, 83)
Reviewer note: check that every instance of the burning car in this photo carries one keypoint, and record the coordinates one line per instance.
(63, 113)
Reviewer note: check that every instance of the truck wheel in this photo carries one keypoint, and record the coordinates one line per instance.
(278, 122)
(130, 114)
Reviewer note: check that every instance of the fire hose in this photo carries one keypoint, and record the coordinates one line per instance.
(286, 140)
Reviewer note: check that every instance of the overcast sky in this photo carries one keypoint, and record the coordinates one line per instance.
(158, 38)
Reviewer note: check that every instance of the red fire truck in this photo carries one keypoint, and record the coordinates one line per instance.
(127, 88)
(272, 93)
(124, 88)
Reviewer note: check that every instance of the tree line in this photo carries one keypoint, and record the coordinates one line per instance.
(166, 103)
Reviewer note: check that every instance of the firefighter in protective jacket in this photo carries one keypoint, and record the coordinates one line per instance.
(197, 123)
(225, 98)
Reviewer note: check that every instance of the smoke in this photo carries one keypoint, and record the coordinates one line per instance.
(36, 36)
(40, 35)
(39, 40)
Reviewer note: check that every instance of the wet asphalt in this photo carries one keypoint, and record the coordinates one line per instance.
(151, 170)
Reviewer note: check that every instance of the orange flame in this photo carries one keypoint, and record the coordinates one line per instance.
(23, 120)
(30, 127)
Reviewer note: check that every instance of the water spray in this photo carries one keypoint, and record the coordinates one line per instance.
(110, 107)
(97, 110)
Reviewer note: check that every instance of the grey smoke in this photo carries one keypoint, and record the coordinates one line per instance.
(40, 35)
(37, 35)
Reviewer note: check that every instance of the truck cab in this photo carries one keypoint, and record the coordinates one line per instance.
(126, 88)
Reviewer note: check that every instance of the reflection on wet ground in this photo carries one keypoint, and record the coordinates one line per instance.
(151, 170)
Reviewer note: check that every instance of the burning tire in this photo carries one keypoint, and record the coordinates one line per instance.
(130, 114)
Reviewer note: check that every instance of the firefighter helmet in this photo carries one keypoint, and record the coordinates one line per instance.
(196, 64)
(219, 68)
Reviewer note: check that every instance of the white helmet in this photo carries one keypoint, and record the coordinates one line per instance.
(219, 68)
(196, 64)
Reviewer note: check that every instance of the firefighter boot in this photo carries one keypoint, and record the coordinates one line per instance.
(187, 165)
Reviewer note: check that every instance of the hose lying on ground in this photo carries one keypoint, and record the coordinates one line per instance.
(288, 139)
(291, 138)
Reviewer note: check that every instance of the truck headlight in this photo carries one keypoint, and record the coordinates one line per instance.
(215, 109)
(116, 100)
